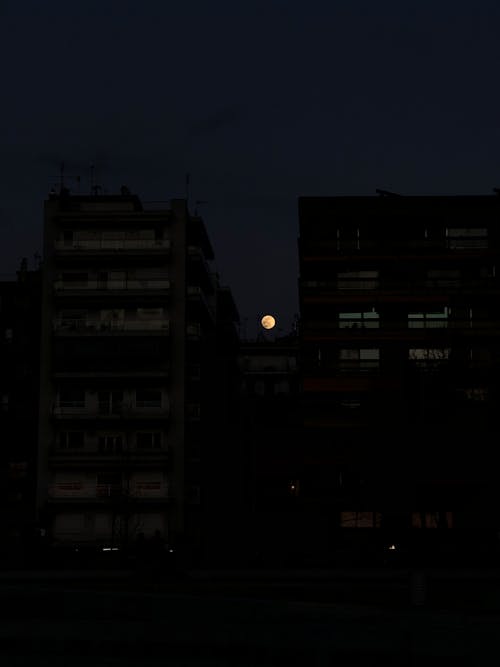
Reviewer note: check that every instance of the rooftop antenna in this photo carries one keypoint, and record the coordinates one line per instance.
(188, 177)
(91, 177)
(61, 172)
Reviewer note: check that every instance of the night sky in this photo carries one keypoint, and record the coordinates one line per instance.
(259, 101)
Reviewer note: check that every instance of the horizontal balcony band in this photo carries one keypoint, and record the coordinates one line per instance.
(112, 288)
(74, 413)
(92, 491)
(103, 375)
(117, 458)
(114, 245)
(79, 327)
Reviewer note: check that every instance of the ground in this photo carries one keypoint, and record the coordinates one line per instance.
(250, 618)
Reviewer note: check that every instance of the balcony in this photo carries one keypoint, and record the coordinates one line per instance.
(76, 491)
(92, 327)
(116, 414)
(91, 457)
(112, 288)
(197, 297)
(120, 245)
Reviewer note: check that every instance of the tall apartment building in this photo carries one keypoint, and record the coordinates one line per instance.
(129, 347)
(399, 357)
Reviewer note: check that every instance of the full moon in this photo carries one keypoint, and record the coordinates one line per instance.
(268, 321)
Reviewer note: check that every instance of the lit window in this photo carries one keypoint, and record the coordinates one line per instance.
(435, 320)
(360, 519)
(428, 354)
(366, 320)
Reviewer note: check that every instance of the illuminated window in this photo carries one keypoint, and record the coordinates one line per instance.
(429, 354)
(431, 519)
(360, 519)
(435, 320)
(366, 320)
(363, 359)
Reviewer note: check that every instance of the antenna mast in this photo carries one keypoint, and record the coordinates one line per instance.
(61, 172)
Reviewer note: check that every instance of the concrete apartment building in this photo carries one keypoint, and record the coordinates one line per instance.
(399, 355)
(132, 320)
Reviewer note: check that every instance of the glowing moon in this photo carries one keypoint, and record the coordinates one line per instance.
(268, 322)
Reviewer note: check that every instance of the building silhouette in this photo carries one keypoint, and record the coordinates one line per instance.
(133, 320)
(19, 380)
(399, 360)
(271, 438)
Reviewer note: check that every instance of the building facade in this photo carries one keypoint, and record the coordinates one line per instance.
(399, 357)
(128, 347)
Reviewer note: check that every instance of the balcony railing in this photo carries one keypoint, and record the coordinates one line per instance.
(112, 285)
(91, 490)
(89, 325)
(116, 412)
(114, 244)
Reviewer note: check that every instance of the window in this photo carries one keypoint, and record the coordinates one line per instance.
(71, 439)
(110, 443)
(436, 320)
(348, 238)
(428, 357)
(109, 484)
(431, 519)
(476, 394)
(360, 519)
(72, 398)
(359, 359)
(148, 440)
(148, 398)
(8, 335)
(366, 320)
(5, 402)
(443, 278)
(110, 402)
(72, 319)
(361, 280)
(462, 238)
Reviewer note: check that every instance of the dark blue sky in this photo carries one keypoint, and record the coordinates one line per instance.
(260, 101)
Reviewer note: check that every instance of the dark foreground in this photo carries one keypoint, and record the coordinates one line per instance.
(197, 618)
